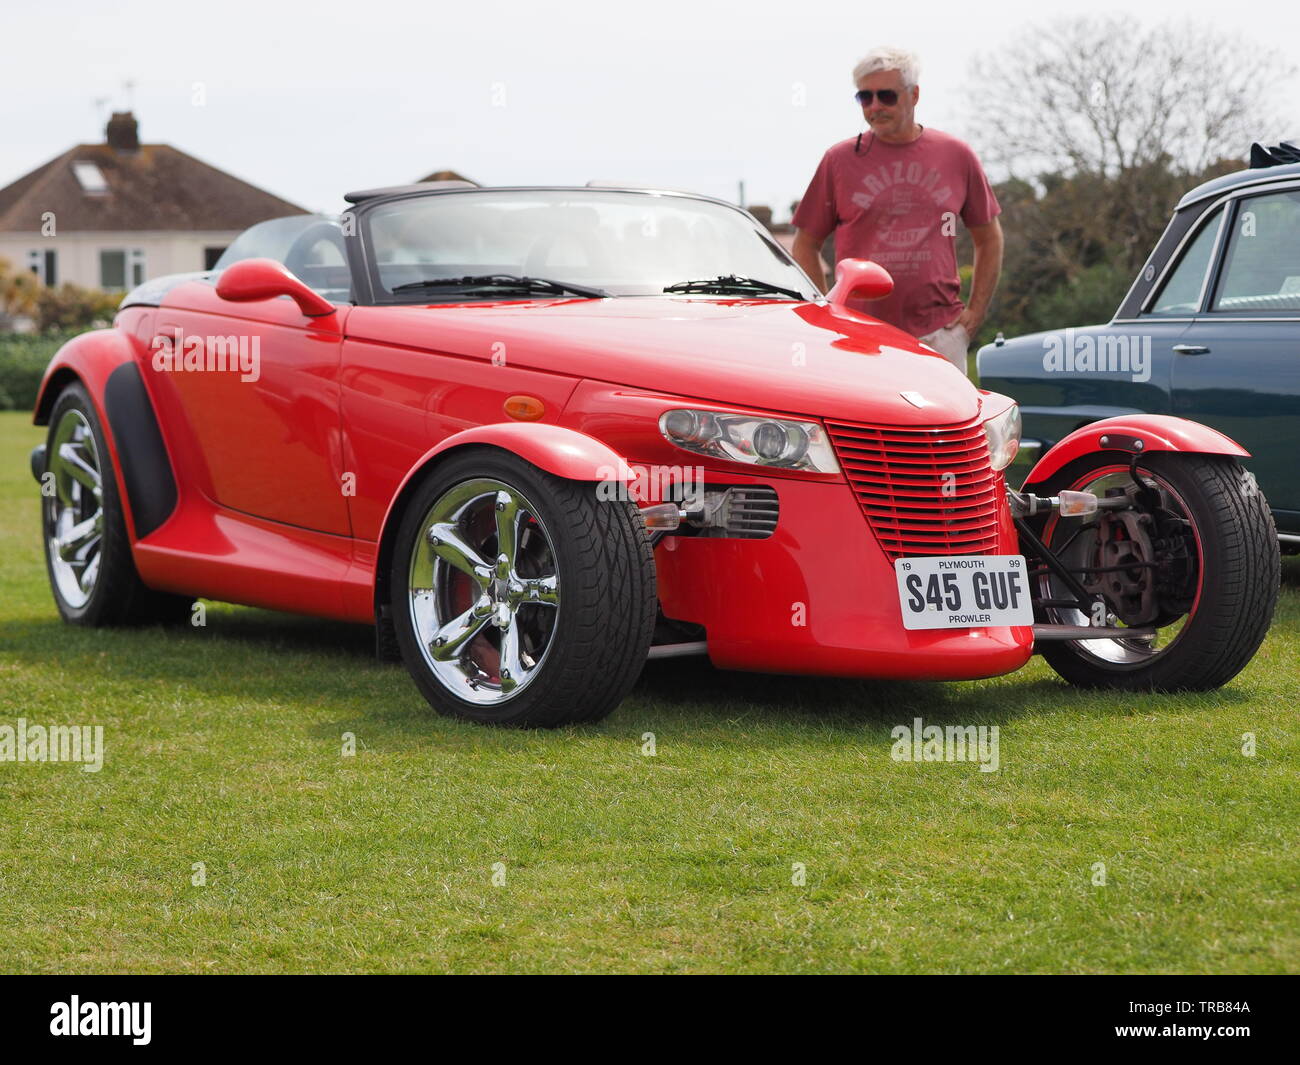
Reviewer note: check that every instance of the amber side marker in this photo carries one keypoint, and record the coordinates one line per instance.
(525, 408)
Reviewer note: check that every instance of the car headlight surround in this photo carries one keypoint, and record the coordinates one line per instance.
(782, 443)
(1003, 432)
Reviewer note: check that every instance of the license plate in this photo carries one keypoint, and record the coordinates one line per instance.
(963, 591)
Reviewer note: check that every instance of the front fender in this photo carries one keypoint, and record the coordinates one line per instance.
(564, 452)
(91, 358)
(560, 451)
(1136, 434)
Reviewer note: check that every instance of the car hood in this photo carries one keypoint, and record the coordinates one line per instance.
(1036, 343)
(798, 358)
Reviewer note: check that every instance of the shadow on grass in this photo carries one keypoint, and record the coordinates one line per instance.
(247, 654)
(697, 688)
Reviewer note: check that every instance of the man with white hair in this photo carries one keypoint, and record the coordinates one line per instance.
(893, 194)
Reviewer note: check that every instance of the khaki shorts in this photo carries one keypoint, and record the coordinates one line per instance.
(952, 342)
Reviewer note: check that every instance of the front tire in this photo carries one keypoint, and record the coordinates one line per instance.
(520, 598)
(1201, 568)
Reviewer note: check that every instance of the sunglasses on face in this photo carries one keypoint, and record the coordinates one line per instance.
(888, 97)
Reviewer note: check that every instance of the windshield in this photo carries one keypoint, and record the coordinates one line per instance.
(624, 243)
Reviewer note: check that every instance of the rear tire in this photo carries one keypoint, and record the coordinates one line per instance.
(87, 552)
(1233, 544)
(553, 634)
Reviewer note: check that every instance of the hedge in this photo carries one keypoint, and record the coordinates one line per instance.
(23, 358)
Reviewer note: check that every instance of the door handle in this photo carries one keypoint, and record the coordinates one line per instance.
(1191, 349)
(167, 336)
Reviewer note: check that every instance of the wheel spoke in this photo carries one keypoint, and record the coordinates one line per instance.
(449, 641)
(78, 468)
(543, 590)
(507, 515)
(73, 542)
(512, 664)
(89, 575)
(447, 544)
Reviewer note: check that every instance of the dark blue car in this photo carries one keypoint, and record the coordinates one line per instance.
(1209, 331)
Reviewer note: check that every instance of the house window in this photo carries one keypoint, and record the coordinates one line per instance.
(90, 178)
(119, 268)
(112, 270)
(45, 265)
(210, 257)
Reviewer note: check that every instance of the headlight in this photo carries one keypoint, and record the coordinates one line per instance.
(744, 438)
(1003, 432)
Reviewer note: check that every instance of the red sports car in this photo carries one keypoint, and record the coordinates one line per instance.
(537, 435)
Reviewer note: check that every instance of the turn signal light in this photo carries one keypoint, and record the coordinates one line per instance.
(525, 408)
(1077, 504)
(662, 516)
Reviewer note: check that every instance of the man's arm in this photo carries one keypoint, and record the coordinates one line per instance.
(984, 274)
(807, 252)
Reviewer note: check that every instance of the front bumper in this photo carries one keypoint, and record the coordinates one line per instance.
(820, 597)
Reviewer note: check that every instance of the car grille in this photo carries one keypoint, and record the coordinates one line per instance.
(923, 491)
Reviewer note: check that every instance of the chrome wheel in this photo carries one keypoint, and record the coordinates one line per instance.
(484, 591)
(1150, 561)
(74, 514)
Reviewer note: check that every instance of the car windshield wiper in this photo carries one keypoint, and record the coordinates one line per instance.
(732, 284)
(506, 281)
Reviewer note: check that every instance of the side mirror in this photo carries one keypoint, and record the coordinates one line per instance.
(859, 279)
(265, 279)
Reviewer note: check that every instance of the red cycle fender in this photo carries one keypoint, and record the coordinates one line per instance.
(1136, 434)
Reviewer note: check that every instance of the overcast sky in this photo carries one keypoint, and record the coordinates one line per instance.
(311, 100)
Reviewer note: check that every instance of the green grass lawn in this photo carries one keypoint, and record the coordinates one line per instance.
(223, 746)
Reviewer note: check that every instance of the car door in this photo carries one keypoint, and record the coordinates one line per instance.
(1238, 364)
(267, 430)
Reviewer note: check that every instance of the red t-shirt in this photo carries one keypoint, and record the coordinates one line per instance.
(889, 203)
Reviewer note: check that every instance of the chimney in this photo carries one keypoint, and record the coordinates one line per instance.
(123, 133)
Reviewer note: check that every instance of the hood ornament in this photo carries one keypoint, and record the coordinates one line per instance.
(916, 399)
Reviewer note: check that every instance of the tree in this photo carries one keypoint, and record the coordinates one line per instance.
(1102, 126)
(71, 308)
(1105, 96)
(18, 291)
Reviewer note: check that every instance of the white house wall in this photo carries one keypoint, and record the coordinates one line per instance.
(78, 253)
